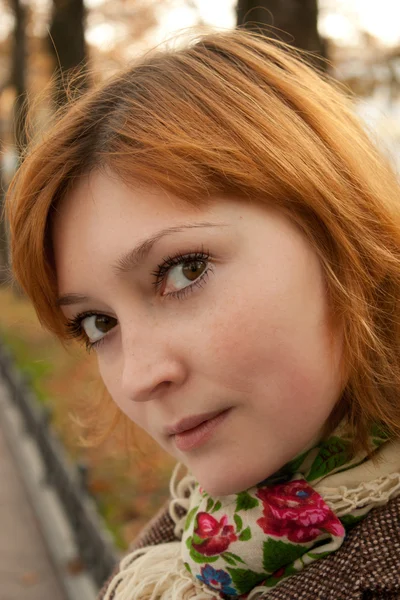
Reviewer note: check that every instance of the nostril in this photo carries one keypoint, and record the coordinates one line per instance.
(161, 388)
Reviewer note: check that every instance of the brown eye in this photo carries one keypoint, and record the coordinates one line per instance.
(104, 323)
(96, 326)
(194, 269)
(184, 272)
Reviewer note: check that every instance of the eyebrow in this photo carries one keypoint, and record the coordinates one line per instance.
(138, 254)
(69, 299)
(133, 258)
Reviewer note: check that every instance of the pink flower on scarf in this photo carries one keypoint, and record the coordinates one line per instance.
(296, 511)
(217, 535)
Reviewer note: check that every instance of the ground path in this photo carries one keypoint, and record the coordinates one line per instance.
(26, 571)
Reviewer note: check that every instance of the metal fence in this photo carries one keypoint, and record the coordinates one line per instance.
(96, 549)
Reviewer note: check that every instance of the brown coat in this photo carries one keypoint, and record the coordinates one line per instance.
(366, 567)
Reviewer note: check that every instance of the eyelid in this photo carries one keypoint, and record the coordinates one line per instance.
(199, 282)
(76, 331)
(173, 260)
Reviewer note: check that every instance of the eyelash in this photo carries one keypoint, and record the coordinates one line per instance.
(171, 261)
(75, 330)
(74, 326)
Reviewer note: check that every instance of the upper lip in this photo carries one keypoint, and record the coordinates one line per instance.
(191, 422)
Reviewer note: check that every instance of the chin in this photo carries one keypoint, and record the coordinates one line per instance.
(224, 486)
(221, 489)
(231, 477)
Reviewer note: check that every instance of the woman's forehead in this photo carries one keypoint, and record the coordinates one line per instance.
(101, 199)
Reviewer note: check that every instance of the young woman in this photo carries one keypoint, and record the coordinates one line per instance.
(217, 225)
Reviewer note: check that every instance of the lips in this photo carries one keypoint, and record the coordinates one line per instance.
(193, 432)
(192, 422)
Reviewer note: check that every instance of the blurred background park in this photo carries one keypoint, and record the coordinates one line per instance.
(41, 43)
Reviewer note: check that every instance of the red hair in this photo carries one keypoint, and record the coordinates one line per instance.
(236, 114)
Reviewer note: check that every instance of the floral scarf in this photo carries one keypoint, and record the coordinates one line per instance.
(271, 531)
(242, 545)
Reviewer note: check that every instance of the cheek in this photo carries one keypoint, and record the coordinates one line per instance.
(110, 371)
(250, 321)
(274, 344)
(240, 344)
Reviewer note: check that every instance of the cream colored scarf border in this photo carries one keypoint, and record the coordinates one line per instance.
(158, 573)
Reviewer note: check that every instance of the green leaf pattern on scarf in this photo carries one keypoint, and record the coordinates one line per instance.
(334, 454)
(276, 554)
(244, 579)
(190, 517)
(238, 521)
(245, 502)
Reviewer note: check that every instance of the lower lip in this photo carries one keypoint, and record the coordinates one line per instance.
(193, 438)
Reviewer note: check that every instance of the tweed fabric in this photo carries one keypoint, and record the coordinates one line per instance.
(366, 567)
(159, 530)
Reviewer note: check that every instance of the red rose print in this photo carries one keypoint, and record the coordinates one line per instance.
(296, 511)
(217, 535)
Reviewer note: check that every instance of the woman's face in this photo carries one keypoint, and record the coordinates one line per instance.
(211, 322)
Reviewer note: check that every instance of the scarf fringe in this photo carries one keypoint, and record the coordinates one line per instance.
(181, 492)
(344, 501)
(156, 573)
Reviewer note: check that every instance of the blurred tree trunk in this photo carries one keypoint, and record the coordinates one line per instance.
(18, 74)
(3, 230)
(277, 18)
(67, 45)
(18, 82)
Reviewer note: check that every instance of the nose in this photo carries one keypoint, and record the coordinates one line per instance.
(151, 370)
